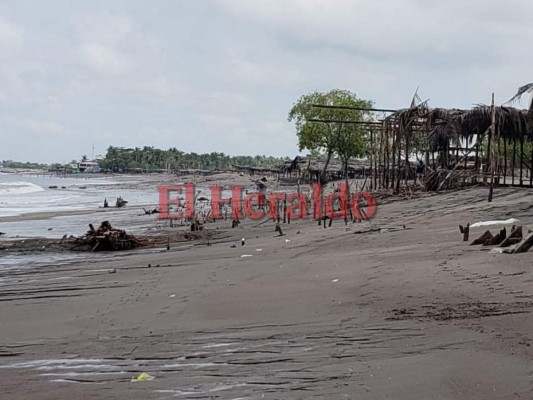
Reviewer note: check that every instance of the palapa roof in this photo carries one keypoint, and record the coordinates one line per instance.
(443, 124)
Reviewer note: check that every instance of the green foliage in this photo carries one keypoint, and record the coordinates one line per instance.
(151, 159)
(528, 147)
(346, 140)
(23, 165)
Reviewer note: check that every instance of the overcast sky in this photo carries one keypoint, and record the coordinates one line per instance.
(221, 75)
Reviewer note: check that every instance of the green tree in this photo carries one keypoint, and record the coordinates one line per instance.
(322, 130)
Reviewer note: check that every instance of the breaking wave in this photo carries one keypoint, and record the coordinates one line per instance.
(18, 188)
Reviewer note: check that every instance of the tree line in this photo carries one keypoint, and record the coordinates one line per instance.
(152, 159)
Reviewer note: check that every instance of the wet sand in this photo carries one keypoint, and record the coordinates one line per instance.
(407, 311)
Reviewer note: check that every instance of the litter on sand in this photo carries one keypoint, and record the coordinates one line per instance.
(509, 221)
(247, 255)
(142, 377)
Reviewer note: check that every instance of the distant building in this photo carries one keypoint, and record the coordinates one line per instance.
(88, 166)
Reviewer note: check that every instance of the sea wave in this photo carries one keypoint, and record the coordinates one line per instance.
(18, 188)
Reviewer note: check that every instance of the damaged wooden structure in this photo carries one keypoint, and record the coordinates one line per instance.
(308, 169)
(512, 244)
(458, 147)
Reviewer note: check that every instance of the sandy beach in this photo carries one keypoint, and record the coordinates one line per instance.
(406, 311)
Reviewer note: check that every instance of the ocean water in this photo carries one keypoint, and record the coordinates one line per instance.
(82, 199)
(22, 194)
(30, 194)
(78, 202)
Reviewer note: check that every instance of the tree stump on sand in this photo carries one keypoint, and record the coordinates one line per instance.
(465, 230)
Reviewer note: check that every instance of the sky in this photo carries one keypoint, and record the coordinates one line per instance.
(222, 75)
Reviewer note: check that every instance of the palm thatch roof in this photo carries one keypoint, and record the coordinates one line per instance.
(445, 124)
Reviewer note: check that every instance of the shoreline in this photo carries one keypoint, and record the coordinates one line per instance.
(406, 311)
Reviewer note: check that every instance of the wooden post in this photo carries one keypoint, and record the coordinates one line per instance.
(491, 163)
(466, 159)
(465, 230)
(521, 159)
(514, 161)
(531, 166)
(393, 175)
(504, 160)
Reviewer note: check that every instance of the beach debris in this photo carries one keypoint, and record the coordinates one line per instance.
(112, 271)
(196, 225)
(50, 229)
(142, 377)
(120, 202)
(172, 296)
(107, 238)
(287, 241)
(52, 187)
(243, 241)
(247, 255)
(278, 229)
(514, 238)
(484, 238)
(510, 221)
(233, 246)
(150, 212)
(497, 239)
(465, 231)
(2, 233)
(334, 280)
(258, 249)
(235, 223)
(106, 204)
(521, 247)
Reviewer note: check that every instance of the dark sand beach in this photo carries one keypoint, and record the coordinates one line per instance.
(407, 311)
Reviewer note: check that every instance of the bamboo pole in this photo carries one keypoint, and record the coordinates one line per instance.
(504, 160)
(492, 133)
(514, 161)
(521, 160)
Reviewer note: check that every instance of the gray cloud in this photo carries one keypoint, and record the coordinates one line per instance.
(221, 75)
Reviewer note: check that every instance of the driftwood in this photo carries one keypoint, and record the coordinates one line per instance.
(514, 238)
(465, 230)
(523, 246)
(120, 202)
(150, 212)
(107, 238)
(484, 238)
(496, 240)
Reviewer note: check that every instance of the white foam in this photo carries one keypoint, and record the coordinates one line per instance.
(17, 188)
